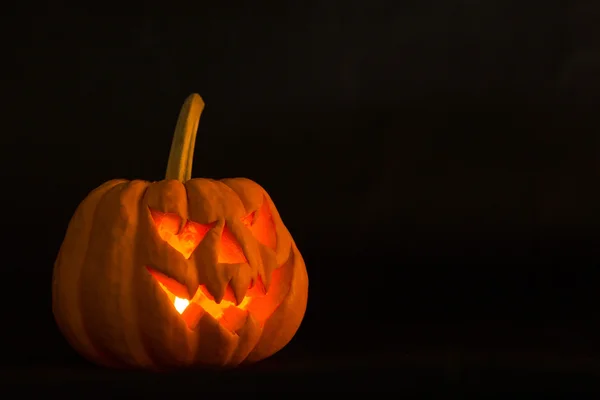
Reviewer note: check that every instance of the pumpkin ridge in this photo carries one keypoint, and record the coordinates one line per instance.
(143, 357)
(108, 357)
(70, 322)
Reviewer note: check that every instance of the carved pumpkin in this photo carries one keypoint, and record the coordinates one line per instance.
(180, 272)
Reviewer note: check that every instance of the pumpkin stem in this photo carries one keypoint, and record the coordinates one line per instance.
(181, 156)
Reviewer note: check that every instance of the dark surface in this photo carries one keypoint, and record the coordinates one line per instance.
(421, 358)
(443, 370)
(409, 370)
(436, 163)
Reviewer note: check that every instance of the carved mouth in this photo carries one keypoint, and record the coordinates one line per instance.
(226, 312)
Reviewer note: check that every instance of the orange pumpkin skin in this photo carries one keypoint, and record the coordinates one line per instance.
(118, 272)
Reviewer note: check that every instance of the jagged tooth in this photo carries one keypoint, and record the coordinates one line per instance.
(216, 290)
(259, 286)
(265, 280)
(233, 318)
(207, 323)
(229, 295)
(192, 286)
(239, 284)
(255, 288)
(192, 315)
(269, 264)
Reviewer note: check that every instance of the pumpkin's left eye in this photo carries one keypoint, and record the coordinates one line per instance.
(185, 240)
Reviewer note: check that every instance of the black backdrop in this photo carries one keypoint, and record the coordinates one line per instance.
(436, 162)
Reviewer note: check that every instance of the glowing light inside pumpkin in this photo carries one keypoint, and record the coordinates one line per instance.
(180, 304)
(230, 316)
(185, 241)
(202, 297)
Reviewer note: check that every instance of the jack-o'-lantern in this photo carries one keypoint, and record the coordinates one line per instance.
(180, 272)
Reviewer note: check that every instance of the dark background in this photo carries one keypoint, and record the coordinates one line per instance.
(436, 162)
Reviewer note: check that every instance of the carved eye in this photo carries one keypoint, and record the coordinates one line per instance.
(184, 241)
(260, 223)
